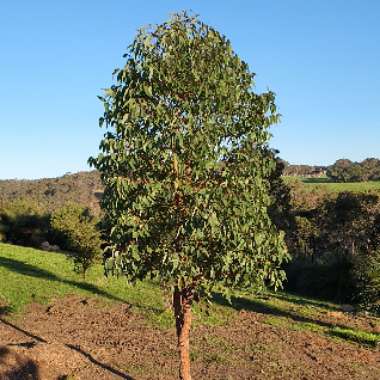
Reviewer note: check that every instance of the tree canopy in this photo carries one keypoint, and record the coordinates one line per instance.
(344, 170)
(186, 165)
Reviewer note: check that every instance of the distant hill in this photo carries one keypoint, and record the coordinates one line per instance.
(52, 193)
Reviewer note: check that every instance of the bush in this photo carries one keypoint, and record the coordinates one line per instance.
(338, 277)
(327, 277)
(75, 230)
(366, 277)
(3, 231)
(23, 222)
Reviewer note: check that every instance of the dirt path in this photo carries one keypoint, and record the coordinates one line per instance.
(76, 338)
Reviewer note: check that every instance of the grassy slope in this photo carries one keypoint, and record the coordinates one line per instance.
(29, 275)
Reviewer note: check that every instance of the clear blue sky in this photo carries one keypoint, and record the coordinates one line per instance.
(321, 57)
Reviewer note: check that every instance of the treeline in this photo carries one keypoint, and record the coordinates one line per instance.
(304, 170)
(342, 170)
(345, 170)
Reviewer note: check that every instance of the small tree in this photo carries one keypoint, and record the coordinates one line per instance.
(75, 229)
(185, 166)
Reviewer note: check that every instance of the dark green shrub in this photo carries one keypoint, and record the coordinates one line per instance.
(366, 277)
(75, 230)
(327, 277)
(23, 222)
(3, 230)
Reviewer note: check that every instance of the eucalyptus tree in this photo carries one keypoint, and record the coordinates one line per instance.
(185, 165)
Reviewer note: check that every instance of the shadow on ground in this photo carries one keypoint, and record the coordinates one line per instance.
(26, 269)
(4, 310)
(32, 271)
(21, 369)
(96, 362)
(306, 322)
(242, 303)
(304, 302)
(29, 370)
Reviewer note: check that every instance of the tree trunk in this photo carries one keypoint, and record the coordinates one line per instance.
(182, 312)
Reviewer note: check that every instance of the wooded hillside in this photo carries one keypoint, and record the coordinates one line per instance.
(52, 193)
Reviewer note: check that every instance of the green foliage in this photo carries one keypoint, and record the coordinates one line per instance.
(306, 196)
(366, 277)
(280, 210)
(75, 230)
(330, 233)
(3, 228)
(185, 163)
(326, 276)
(347, 171)
(304, 235)
(348, 223)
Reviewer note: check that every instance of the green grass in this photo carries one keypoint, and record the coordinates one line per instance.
(34, 275)
(295, 326)
(30, 275)
(362, 337)
(336, 187)
(349, 186)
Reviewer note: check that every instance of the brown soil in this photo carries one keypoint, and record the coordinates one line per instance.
(76, 338)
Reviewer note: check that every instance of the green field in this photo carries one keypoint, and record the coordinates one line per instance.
(343, 186)
(326, 184)
(30, 275)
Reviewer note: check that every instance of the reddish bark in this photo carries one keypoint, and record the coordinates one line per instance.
(182, 312)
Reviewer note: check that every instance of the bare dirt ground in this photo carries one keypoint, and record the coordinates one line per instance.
(76, 338)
